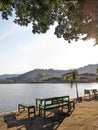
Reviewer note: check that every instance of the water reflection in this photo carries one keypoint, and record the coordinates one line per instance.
(12, 94)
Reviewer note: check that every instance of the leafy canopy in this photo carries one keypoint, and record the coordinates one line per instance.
(72, 20)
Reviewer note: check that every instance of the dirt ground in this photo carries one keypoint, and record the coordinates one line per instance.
(83, 117)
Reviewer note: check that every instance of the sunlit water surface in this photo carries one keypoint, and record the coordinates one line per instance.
(13, 94)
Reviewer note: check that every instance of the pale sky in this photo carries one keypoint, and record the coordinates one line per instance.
(22, 51)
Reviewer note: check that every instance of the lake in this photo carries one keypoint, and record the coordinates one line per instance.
(13, 94)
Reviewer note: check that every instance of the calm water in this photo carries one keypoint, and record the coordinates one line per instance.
(12, 94)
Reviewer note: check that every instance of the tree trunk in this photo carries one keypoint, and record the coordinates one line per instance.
(77, 91)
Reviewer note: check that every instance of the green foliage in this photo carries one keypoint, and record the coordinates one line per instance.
(68, 15)
(6, 8)
(66, 77)
(72, 78)
(97, 70)
(96, 78)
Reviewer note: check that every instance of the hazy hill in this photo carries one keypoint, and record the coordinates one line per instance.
(38, 75)
(88, 69)
(7, 76)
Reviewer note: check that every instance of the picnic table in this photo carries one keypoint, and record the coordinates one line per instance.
(44, 104)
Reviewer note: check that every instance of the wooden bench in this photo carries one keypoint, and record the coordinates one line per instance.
(28, 107)
(54, 102)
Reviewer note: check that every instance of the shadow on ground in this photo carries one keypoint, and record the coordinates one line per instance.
(21, 122)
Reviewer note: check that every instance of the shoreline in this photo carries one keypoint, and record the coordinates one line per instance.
(45, 82)
(5, 113)
(83, 117)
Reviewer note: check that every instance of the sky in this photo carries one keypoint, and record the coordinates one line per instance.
(22, 51)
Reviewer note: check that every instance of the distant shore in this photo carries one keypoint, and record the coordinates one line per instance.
(43, 82)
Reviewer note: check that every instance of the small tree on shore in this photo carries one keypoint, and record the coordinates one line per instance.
(96, 74)
(72, 79)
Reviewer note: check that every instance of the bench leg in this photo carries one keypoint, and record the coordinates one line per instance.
(44, 113)
(34, 110)
(31, 112)
(28, 112)
(39, 111)
(20, 107)
(71, 105)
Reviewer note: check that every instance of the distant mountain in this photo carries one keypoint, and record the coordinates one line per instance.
(7, 76)
(39, 75)
(91, 68)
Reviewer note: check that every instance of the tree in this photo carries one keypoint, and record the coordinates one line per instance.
(72, 78)
(73, 17)
(96, 74)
